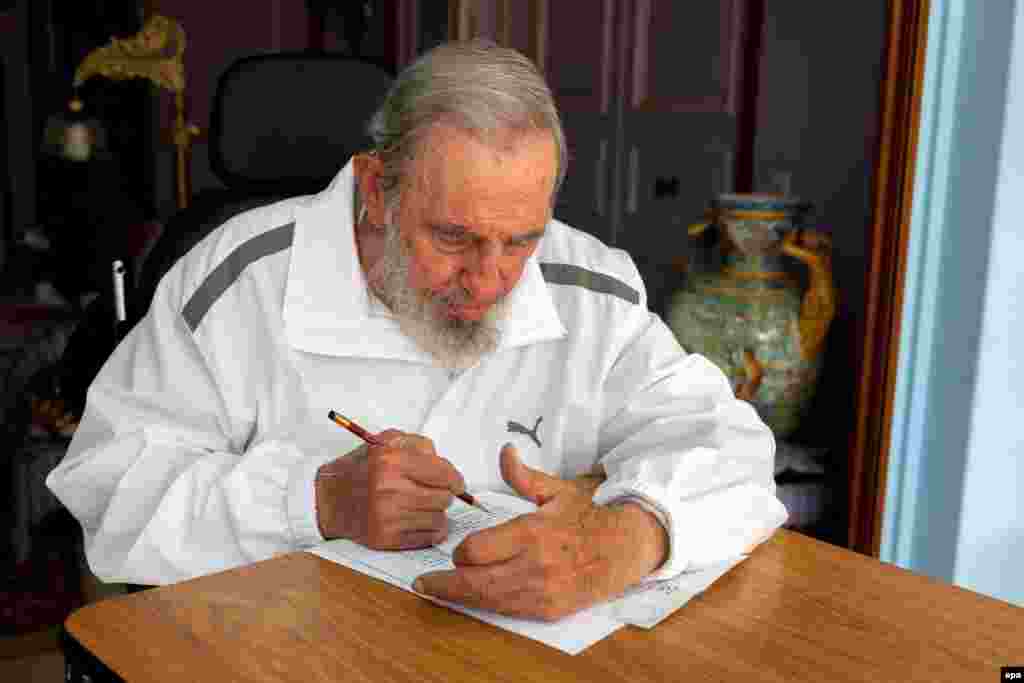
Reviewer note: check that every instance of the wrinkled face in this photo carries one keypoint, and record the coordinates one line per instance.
(470, 215)
(474, 213)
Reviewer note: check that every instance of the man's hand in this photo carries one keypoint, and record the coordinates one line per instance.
(566, 556)
(388, 497)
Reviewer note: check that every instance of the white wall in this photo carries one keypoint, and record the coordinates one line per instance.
(990, 544)
(953, 506)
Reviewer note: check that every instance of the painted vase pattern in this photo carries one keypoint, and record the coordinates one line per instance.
(752, 317)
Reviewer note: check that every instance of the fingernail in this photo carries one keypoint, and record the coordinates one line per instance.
(417, 585)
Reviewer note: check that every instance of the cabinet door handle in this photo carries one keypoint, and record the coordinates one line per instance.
(633, 179)
(601, 172)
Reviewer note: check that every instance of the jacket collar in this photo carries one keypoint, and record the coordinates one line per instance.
(326, 306)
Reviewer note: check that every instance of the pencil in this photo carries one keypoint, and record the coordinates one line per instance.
(369, 438)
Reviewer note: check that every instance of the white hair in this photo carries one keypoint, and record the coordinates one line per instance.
(475, 86)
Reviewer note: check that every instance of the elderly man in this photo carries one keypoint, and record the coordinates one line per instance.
(429, 294)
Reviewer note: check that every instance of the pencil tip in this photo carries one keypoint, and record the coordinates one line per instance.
(331, 414)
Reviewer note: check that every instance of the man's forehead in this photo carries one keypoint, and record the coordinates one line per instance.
(451, 155)
(506, 190)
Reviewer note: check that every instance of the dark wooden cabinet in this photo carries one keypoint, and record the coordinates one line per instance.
(17, 185)
(651, 115)
(680, 94)
(669, 103)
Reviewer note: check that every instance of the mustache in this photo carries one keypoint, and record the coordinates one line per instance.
(392, 273)
(453, 296)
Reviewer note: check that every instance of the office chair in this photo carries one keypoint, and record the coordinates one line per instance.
(282, 124)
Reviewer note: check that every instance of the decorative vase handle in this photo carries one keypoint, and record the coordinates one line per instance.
(813, 249)
(755, 373)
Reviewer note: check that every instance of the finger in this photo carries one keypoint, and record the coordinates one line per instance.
(408, 539)
(410, 530)
(425, 498)
(526, 481)
(423, 465)
(421, 538)
(413, 443)
(429, 531)
(434, 472)
(499, 543)
(487, 587)
(504, 588)
(538, 556)
(390, 437)
(424, 521)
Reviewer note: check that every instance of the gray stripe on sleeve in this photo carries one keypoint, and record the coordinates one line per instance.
(568, 274)
(225, 275)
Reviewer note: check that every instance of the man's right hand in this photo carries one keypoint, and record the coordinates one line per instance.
(388, 497)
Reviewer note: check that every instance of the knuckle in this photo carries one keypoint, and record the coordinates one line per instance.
(389, 435)
(548, 559)
(548, 574)
(477, 591)
(468, 551)
(540, 584)
(425, 445)
(388, 462)
(377, 482)
(589, 585)
(532, 527)
(550, 609)
(433, 503)
(376, 538)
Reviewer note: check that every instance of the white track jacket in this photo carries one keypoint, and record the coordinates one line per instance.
(204, 430)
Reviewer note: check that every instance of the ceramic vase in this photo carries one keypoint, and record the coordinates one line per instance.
(753, 316)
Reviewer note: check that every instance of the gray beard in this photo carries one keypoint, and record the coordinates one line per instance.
(456, 344)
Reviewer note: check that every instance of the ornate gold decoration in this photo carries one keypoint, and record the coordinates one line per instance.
(697, 229)
(156, 53)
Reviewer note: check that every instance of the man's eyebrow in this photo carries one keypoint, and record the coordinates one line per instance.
(526, 237)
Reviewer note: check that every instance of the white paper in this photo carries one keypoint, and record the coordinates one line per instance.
(649, 604)
(644, 606)
(572, 634)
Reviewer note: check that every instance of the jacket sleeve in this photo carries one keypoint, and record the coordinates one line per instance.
(675, 438)
(160, 473)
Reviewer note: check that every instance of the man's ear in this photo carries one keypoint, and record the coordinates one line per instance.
(368, 167)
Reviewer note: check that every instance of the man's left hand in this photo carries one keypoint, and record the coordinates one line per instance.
(564, 557)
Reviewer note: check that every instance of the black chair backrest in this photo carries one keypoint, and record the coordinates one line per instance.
(282, 124)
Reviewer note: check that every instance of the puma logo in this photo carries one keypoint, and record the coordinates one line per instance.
(532, 433)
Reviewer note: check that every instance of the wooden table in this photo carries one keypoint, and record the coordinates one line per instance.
(797, 610)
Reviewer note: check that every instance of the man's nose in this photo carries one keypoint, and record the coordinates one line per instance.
(482, 276)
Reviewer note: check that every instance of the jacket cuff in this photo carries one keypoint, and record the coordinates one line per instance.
(650, 500)
(301, 501)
